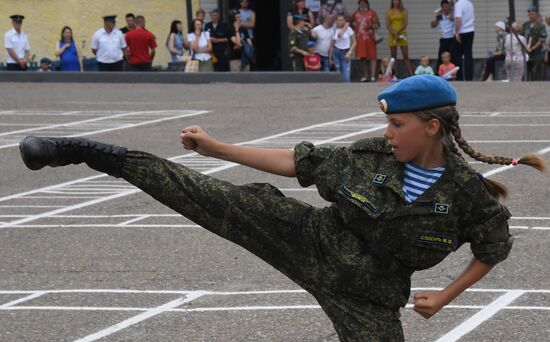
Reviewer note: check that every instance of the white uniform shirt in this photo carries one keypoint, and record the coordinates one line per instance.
(446, 26)
(108, 45)
(324, 39)
(465, 9)
(19, 42)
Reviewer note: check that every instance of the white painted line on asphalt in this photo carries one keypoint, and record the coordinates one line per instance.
(534, 308)
(23, 299)
(239, 293)
(240, 308)
(250, 308)
(68, 124)
(73, 308)
(141, 317)
(48, 188)
(124, 223)
(22, 124)
(223, 166)
(99, 129)
(127, 225)
(495, 114)
(481, 316)
(58, 197)
(31, 206)
(41, 226)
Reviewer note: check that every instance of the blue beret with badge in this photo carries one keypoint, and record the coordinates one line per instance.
(416, 93)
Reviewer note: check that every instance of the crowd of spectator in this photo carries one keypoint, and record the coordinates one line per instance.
(522, 49)
(321, 39)
(213, 46)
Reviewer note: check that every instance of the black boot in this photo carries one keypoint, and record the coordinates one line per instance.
(38, 152)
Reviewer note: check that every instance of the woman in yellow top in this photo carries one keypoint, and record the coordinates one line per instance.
(396, 22)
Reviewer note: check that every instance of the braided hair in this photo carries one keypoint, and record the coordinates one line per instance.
(452, 136)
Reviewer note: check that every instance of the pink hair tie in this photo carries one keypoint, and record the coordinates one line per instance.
(515, 162)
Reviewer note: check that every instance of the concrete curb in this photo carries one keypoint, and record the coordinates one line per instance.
(171, 77)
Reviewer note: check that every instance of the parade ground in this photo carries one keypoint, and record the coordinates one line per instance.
(87, 257)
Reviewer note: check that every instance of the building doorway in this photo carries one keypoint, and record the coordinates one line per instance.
(270, 32)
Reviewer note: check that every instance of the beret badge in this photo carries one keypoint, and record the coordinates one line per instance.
(384, 105)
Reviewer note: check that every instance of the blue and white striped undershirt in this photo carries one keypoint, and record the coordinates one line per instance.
(418, 180)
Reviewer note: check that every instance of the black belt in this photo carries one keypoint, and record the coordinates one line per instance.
(389, 262)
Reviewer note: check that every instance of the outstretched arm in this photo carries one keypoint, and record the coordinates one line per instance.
(428, 303)
(276, 161)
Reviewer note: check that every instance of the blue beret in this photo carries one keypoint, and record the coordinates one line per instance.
(417, 93)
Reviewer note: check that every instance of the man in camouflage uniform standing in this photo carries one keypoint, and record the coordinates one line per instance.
(297, 42)
(535, 33)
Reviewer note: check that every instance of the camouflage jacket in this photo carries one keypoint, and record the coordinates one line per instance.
(298, 39)
(365, 181)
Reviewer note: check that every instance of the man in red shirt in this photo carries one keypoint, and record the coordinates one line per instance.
(141, 47)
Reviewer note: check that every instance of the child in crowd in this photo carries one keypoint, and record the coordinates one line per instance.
(313, 61)
(386, 74)
(45, 65)
(424, 68)
(446, 68)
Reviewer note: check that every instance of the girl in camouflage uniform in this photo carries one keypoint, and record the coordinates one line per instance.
(357, 255)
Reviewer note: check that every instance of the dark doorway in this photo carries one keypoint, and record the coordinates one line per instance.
(270, 23)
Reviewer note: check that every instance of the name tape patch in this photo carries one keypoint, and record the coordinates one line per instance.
(437, 239)
(358, 198)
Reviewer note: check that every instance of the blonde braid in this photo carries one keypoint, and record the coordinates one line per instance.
(448, 117)
(463, 144)
(531, 160)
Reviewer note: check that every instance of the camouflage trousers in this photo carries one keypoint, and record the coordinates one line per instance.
(309, 245)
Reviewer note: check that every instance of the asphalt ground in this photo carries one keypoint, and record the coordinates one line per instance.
(85, 256)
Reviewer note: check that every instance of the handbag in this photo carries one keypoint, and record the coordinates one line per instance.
(185, 57)
(192, 64)
(378, 38)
